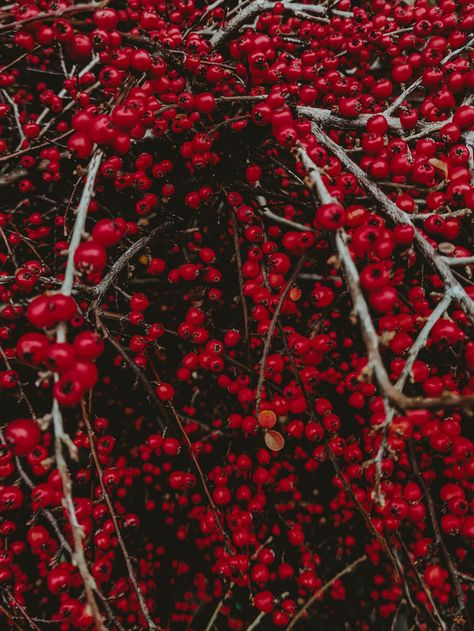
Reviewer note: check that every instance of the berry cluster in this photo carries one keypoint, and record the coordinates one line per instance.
(236, 315)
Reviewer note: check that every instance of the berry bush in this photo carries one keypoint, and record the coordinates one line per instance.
(236, 315)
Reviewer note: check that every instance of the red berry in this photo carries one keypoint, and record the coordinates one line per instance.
(22, 435)
(165, 391)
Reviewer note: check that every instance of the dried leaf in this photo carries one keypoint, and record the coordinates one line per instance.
(274, 440)
(446, 248)
(440, 165)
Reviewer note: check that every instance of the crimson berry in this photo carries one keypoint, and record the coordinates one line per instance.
(264, 601)
(32, 347)
(108, 232)
(90, 256)
(330, 216)
(165, 391)
(22, 435)
(205, 103)
(88, 345)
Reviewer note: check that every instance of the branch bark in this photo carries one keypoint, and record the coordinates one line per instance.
(259, 6)
(51, 15)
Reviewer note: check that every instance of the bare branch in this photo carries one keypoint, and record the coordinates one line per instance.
(422, 338)
(369, 333)
(424, 587)
(327, 118)
(249, 12)
(259, 6)
(243, 300)
(76, 529)
(80, 222)
(122, 261)
(286, 222)
(135, 368)
(16, 114)
(197, 466)
(253, 625)
(391, 210)
(460, 260)
(61, 437)
(416, 84)
(51, 15)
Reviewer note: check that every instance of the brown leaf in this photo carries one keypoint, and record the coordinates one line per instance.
(274, 440)
(440, 165)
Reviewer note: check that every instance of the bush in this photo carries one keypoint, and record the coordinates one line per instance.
(236, 315)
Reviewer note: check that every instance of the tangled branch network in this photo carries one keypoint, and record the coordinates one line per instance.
(236, 315)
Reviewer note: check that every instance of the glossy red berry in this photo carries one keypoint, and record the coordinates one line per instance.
(22, 435)
(330, 216)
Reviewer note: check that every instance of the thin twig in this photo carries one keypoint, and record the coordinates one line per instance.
(424, 587)
(369, 334)
(439, 538)
(122, 261)
(51, 15)
(259, 6)
(134, 367)
(347, 570)
(80, 222)
(16, 114)
(216, 611)
(272, 326)
(421, 339)
(24, 613)
(256, 622)
(243, 300)
(416, 84)
(131, 572)
(197, 466)
(391, 210)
